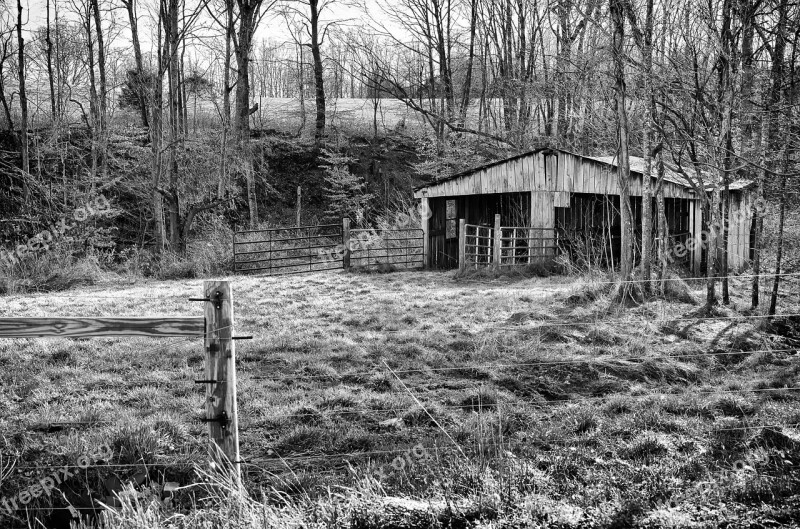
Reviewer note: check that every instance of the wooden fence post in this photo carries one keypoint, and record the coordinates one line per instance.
(462, 244)
(346, 243)
(498, 243)
(220, 374)
(299, 201)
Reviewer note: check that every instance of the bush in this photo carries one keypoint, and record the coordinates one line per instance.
(209, 253)
(51, 271)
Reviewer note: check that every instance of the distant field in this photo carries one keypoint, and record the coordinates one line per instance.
(351, 115)
(521, 402)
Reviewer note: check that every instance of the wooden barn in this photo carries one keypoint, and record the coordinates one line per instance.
(571, 203)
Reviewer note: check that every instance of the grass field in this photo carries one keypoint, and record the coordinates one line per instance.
(413, 399)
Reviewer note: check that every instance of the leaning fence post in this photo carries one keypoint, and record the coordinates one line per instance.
(346, 243)
(220, 375)
(498, 243)
(462, 244)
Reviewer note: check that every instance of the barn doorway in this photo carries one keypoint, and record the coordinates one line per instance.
(513, 208)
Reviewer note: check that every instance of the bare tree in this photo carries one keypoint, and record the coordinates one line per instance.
(248, 14)
(769, 137)
(6, 53)
(141, 87)
(102, 132)
(623, 173)
(49, 52)
(23, 105)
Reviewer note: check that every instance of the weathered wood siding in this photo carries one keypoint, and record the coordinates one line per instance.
(740, 223)
(555, 172)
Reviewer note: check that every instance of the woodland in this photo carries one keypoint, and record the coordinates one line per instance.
(194, 118)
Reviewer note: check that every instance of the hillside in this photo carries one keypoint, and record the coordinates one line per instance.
(417, 400)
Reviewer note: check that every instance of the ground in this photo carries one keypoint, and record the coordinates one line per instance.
(505, 402)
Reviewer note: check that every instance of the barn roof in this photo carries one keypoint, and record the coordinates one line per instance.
(670, 174)
(636, 166)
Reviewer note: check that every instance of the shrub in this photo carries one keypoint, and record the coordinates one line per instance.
(51, 271)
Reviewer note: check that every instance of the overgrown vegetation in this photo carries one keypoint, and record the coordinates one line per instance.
(570, 410)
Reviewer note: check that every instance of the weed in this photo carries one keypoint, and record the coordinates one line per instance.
(645, 450)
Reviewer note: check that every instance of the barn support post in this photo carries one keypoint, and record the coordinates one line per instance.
(346, 243)
(498, 243)
(462, 244)
(222, 414)
(696, 222)
(425, 215)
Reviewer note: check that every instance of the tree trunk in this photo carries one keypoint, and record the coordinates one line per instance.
(747, 128)
(226, 75)
(141, 89)
(101, 66)
(6, 54)
(248, 11)
(769, 140)
(172, 42)
(23, 104)
(623, 163)
(156, 140)
(727, 65)
(647, 192)
(792, 130)
(49, 52)
(712, 214)
(94, 125)
(663, 228)
(773, 302)
(319, 86)
(467, 88)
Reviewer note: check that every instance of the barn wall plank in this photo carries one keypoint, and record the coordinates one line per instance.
(525, 174)
(577, 180)
(489, 186)
(518, 177)
(569, 175)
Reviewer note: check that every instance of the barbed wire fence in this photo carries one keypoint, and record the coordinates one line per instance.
(346, 460)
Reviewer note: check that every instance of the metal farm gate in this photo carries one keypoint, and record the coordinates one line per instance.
(279, 251)
(387, 248)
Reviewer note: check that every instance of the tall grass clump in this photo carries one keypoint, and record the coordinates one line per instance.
(208, 253)
(224, 504)
(57, 268)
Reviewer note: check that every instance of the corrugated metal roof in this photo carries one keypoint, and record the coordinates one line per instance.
(637, 166)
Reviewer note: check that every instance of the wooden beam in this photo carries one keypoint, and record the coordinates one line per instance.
(156, 327)
(497, 242)
(696, 221)
(462, 244)
(425, 213)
